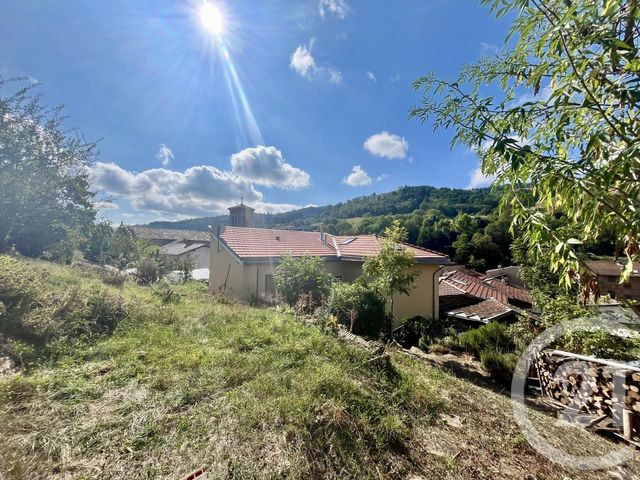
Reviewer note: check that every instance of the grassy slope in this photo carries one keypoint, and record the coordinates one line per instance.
(251, 393)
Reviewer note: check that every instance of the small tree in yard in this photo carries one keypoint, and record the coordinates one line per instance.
(302, 276)
(391, 270)
(185, 265)
(359, 306)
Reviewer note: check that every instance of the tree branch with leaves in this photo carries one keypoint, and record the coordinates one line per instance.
(555, 118)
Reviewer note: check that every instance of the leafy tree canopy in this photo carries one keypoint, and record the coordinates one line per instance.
(555, 118)
(46, 203)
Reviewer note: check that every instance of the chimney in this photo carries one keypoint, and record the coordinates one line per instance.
(322, 233)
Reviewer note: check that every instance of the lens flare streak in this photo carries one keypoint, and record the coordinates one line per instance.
(243, 113)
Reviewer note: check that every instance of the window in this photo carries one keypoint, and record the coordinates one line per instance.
(269, 285)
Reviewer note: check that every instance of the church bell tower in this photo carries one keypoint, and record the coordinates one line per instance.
(241, 215)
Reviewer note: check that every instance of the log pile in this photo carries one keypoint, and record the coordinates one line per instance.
(589, 386)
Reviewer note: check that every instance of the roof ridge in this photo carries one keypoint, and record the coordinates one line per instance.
(272, 230)
(335, 245)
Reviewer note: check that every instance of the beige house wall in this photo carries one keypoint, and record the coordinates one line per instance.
(224, 267)
(423, 299)
(243, 279)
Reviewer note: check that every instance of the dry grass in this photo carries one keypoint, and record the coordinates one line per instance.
(253, 393)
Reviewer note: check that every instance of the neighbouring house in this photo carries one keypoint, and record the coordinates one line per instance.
(244, 259)
(178, 243)
(510, 274)
(475, 297)
(607, 273)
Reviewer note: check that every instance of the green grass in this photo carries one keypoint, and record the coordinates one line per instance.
(248, 393)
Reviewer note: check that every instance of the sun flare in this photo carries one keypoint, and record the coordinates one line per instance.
(212, 18)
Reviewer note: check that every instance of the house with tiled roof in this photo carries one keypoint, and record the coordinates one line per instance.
(243, 261)
(178, 243)
(473, 296)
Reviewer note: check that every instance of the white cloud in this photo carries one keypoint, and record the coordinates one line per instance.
(384, 176)
(106, 205)
(387, 145)
(303, 62)
(335, 76)
(200, 190)
(196, 191)
(488, 49)
(266, 166)
(339, 8)
(542, 96)
(479, 180)
(371, 76)
(165, 155)
(357, 178)
(395, 77)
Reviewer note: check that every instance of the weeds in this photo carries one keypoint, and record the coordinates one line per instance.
(249, 393)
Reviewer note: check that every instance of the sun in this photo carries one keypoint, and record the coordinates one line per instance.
(211, 18)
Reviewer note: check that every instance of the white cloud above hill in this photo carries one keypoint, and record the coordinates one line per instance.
(387, 145)
(357, 178)
(266, 166)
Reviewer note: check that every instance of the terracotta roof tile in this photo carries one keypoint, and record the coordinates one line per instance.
(473, 285)
(478, 285)
(267, 243)
(482, 312)
(262, 243)
(448, 288)
(511, 291)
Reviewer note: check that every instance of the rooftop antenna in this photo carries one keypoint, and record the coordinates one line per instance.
(241, 200)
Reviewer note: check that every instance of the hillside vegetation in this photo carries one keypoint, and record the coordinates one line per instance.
(177, 380)
(406, 200)
(464, 224)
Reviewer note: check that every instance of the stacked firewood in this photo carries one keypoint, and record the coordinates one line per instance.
(591, 387)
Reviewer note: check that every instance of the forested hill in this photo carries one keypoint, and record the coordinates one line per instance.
(449, 202)
(461, 223)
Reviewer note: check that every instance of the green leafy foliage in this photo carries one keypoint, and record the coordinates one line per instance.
(46, 202)
(492, 336)
(359, 307)
(563, 134)
(391, 270)
(303, 276)
(500, 365)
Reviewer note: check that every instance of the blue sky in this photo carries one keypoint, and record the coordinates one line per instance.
(307, 106)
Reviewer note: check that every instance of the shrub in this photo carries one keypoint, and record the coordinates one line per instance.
(42, 317)
(446, 344)
(303, 276)
(359, 307)
(114, 280)
(185, 265)
(499, 364)
(147, 270)
(167, 294)
(600, 344)
(493, 336)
